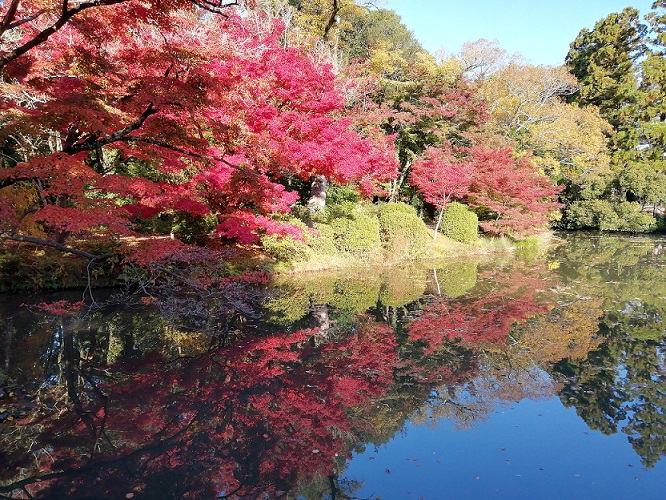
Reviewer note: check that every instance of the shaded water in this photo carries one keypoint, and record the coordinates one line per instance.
(542, 376)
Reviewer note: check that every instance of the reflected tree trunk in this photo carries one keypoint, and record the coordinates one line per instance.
(7, 343)
(320, 314)
(434, 273)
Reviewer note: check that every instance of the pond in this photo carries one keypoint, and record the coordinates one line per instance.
(537, 376)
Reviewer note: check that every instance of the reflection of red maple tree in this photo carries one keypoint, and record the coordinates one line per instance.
(255, 417)
(484, 319)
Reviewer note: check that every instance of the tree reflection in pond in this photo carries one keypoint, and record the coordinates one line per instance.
(129, 402)
(622, 384)
(262, 414)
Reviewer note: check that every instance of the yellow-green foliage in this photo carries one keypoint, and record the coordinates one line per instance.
(607, 216)
(288, 306)
(455, 279)
(400, 288)
(403, 234)
(356, 295)
(323, 242)
(294, 293)
(459, 223)
(357, 235)
(284, 248)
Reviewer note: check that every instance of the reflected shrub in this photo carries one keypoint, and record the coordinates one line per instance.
(287, 305)
(354, 295)
(399, 289)
(456, 278)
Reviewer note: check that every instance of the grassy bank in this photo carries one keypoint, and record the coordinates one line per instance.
(349, 235)
(384, 235)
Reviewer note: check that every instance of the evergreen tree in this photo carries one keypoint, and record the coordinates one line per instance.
(604, 60)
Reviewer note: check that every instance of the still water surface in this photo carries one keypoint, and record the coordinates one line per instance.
(540, 376)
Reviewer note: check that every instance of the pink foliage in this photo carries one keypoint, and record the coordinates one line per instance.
(440, 176)
(246, 227)
(520, 197)
(217, 105)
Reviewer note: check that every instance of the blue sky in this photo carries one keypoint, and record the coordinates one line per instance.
(540, 30)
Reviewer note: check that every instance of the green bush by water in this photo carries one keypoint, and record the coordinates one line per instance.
(459, 223)
(358, 234)
(403, 234)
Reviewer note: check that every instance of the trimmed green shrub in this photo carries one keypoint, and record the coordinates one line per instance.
(341, 194)
(403, 234)
(345, 209)
(284, 248)
(323, 243)
(607, 216)
(358, 235)
(459, 223)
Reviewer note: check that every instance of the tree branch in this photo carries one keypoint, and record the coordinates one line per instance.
(92, 142)
(57, 246)
(332, 19)
(46, 33)
(190, 154)
(216, 6)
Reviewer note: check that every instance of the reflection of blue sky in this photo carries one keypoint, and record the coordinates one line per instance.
(527, 450)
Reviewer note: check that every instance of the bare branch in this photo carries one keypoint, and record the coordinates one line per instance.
(57, 246)
(46, 33)
(93, 142)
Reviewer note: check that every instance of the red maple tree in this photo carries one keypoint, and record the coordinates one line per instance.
(513, 197)
(173, 111)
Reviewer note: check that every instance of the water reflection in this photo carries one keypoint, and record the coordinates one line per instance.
(621, 385)
(129, 402)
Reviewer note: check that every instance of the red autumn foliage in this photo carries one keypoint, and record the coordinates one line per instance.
(485, 320)
(440, 177)
(60, 307)
(143, 108)
(516, 197)
(255, 418)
